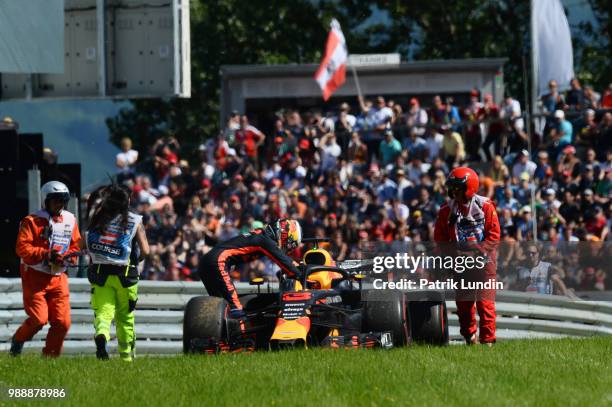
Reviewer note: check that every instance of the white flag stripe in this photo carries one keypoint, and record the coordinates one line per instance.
(338, 58)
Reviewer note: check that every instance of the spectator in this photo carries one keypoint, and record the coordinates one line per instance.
(453, 148)
(345, 123)
(511, 112)
(438, 112)
(543, 169)
(415, 144)
(416, 117)
(248, 140)
(587, 132)
(433, 144)
(591, 98)
(553, 100)
(358, 153)
(125, 160)
(524, 165)
(575, 96)
(451, 114)
(606, 101)
(491, 116)
(390, 148)
(563, 129)
(330, 151)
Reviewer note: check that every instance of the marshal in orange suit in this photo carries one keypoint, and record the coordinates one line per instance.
(45, 241)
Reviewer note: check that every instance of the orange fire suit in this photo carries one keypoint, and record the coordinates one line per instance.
(45, 284)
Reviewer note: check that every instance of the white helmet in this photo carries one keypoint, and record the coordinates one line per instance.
(54, 189)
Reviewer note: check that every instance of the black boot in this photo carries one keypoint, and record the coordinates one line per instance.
(16, 347)
(471, 340)
(101, 351)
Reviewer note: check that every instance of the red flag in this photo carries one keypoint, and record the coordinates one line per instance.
(332, 71)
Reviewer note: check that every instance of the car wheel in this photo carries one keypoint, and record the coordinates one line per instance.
(385, 311)
(429, 322)
(204, 318)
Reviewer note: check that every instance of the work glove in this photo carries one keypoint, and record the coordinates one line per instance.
(55, 257)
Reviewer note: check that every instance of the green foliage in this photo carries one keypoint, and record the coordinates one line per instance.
(464, 29)
(522, 372)
(595, 47)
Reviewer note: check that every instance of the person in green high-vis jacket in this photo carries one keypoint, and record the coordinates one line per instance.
(116, 242)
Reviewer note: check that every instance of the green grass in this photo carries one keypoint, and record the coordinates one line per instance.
(529, 372)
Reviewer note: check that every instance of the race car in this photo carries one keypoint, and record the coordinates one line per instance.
(329, 307)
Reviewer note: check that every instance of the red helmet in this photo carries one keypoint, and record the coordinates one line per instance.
(463, 177)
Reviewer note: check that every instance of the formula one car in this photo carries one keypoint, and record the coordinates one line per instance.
(329, 307)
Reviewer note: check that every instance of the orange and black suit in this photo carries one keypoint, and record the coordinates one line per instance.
(216, 264)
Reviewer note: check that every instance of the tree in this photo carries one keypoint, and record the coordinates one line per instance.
(464, 29)
(595, 47)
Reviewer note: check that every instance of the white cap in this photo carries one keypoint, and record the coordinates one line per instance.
(559, 114)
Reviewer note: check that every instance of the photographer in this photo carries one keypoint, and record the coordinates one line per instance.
(112, 235)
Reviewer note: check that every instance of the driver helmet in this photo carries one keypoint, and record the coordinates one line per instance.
(54, 190)
(287, 233)
(464, 178)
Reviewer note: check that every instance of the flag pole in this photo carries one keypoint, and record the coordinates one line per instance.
(356, 80)
(531, 107)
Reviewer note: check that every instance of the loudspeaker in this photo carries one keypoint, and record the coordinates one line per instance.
(10, 150)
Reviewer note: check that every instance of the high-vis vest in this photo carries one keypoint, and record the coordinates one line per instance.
(114, 244)
(59, 235)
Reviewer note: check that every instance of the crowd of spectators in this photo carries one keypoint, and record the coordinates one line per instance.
(375, 171)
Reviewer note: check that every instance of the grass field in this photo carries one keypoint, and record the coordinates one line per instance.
(529, 372)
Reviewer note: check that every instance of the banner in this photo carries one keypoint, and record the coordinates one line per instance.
(553, 56)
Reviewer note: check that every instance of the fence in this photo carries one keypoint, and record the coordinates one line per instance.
(159, 316)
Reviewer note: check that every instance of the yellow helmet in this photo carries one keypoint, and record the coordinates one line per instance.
(286, 232)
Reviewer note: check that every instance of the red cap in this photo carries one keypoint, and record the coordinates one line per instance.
(332, 216)
(172, 158)
(474, 93)
(234, 198)
(304, 144)
(278, 140)
(205, 183)
(569, 150)
(414, 101)
(238, 177)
